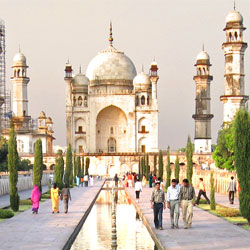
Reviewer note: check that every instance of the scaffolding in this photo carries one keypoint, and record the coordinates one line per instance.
(5, 96)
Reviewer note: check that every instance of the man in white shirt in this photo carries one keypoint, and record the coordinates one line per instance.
(173, 203)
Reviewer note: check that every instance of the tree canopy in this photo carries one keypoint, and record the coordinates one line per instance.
(223, 154)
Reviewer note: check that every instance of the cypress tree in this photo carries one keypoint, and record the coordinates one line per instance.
(68, 178)
(189, 156)
(242, 159)
(139, 167)
(168, 179)
(177, 167)
(59, 169)
(82, 168)
(155, 164)
(212, 192)
(87, 166)
(147, 167)
(75, 168)
(142, 166)
(78, 166)
(38, 164)
(12, 166)
(160, 174)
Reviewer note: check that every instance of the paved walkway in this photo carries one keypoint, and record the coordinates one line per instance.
(208, 231)
(5, 199)
(46, 230)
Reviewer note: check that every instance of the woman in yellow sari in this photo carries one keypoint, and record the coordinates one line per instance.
(54, 194)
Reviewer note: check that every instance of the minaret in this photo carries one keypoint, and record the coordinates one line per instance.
(234, 96)
(202, 114)
(68, 78)
(154, 79)
(20, 91)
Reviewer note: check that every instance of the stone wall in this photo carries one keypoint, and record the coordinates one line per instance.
(24, 183)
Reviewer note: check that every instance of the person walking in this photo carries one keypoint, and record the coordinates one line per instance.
(91, 180)
(158, 204)
(231, 190)
(144, 180)
(86, 180)
(116, 180)
(150, 181)
(138, 189)
(130, 177)
(173, 203)
(35, 198)
(202, 191)
(65, 196)
(187, 194)
(54, 194)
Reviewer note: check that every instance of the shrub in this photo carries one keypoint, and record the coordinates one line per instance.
(25, 202)
(202, 201)
(6, 213)
(46, 196)
(228, 212)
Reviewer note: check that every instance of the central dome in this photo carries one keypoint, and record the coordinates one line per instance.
(111, 64)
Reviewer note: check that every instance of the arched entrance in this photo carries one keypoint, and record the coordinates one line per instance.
(111, 130)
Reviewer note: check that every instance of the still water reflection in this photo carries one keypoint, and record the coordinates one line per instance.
(96, 231)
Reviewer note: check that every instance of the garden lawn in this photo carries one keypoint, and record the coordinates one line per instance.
(220, 210)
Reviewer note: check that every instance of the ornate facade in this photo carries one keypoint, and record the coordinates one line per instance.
(111, 108)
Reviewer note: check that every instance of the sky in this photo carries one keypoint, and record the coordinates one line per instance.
(51, 31)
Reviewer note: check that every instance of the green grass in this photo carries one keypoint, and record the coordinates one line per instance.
(234, 218)
(246, 227)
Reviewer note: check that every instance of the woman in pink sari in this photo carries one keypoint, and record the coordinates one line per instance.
(35, 198)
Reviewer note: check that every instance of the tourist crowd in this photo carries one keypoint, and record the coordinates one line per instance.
(177, 196)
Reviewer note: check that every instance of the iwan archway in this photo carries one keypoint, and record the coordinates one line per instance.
(111, 130)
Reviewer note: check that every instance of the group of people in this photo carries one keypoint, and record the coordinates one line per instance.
(86, 180)
(181, 196)
(130, 180)
(177, 196)
(55, 196)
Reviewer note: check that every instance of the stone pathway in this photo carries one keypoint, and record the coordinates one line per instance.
(208, 231)
(5, 199)
(46, 230)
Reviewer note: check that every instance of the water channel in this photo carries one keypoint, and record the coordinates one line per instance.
(96, 233)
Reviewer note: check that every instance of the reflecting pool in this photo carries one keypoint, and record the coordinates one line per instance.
(96, 231)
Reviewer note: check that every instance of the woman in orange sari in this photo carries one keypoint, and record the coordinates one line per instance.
(54, 194)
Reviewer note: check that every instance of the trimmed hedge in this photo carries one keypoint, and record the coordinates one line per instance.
(228, 212)
(25, 202)
(46, 196)
(6, 213)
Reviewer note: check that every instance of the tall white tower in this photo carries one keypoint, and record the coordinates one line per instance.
(202, 114)
(234, 96)
(20, 93)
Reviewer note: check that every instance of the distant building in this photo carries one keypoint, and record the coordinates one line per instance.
(202, 116)
(112, 108)
(234, 48)
(27, 129)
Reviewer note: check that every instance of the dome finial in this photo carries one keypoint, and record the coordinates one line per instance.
(234, 5)
(19, 49)
(80, 69)
(142, 68)
(110, 34)
(203, 47)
